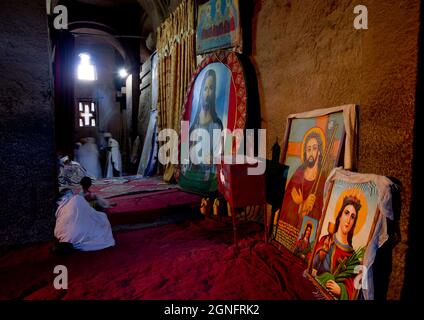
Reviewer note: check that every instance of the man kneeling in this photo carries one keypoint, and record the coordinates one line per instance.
(98, 203)
(80, 224)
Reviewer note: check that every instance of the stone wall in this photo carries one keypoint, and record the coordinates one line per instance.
(308, 55)
(27, 159)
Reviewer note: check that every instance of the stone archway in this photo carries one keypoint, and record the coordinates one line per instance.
(103, 34)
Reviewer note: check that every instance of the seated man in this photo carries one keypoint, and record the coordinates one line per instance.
(70, 172)
(93, 199)
(79, 224)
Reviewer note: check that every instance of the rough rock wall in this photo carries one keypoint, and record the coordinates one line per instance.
(308, 55)
(27, 159)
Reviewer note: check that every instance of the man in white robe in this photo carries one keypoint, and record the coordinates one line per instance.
(70, 172)
(76, 151)
(89, 158)
(82, 226)
(113, 158)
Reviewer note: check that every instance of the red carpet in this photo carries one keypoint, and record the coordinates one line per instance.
(147, 207)
(141, 200)
(118, 186)
(194, 260)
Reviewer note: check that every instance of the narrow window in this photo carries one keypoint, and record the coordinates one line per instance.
(86, 70)
(87, 111)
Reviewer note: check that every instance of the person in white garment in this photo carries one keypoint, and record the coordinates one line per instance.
(92, 198)
(77, 147)
(113, 157)
(80, 224)
(89, 157)
(70, 172)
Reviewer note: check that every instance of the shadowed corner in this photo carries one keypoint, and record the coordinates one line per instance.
(411, 284)
(383, 265)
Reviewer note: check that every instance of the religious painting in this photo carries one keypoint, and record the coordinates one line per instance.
(213, 89)
(306, 237)
(215, 101)
(313, 147)
(341, 255)
(218, 26)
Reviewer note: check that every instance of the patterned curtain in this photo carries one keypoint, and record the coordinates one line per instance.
(176, 64)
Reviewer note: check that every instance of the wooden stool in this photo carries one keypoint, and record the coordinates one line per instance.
(240, 189)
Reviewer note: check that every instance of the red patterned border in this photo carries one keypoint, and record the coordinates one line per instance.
(231, 60)
(238, 91)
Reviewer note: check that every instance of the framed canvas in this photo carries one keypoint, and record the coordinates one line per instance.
(216, 99)
(314, 144)
(218, 26)
(344, 249)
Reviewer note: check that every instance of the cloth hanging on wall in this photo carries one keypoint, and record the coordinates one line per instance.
(135, 150)
(176, 64)
(148, 158)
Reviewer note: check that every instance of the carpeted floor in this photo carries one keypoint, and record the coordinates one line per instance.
(151, 206)
(192, 260)
(142, 200)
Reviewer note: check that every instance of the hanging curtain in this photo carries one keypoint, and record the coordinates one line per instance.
(176, 64)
